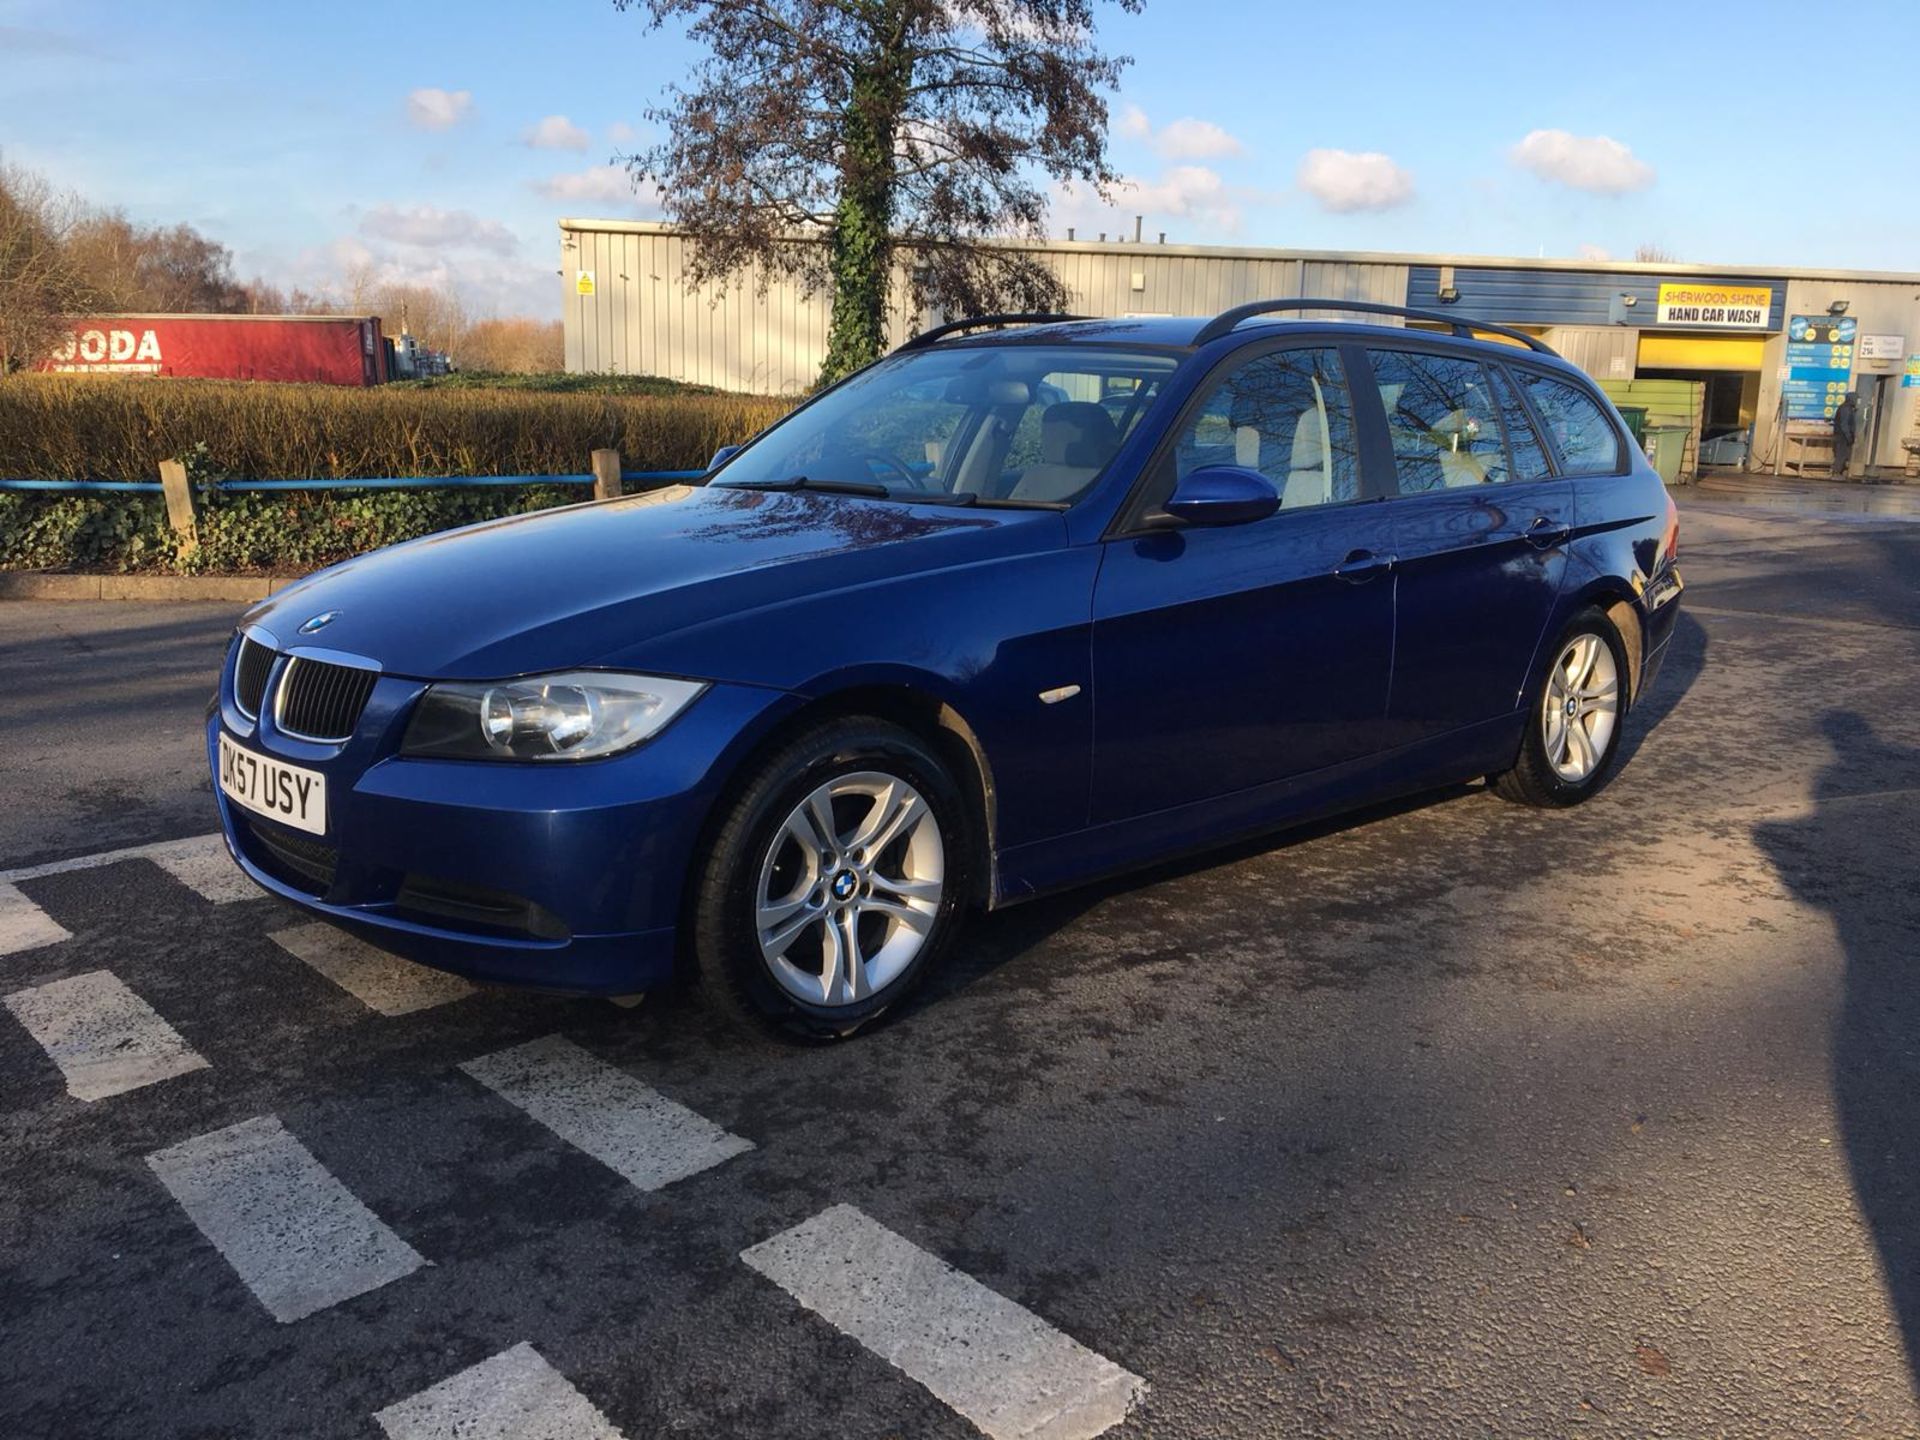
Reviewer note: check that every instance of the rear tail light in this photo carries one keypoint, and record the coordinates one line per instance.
(1670, 543)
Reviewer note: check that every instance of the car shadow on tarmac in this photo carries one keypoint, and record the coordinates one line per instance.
(1866, 807)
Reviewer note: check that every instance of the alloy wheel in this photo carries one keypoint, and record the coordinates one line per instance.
(850, 888)
(1581, 708)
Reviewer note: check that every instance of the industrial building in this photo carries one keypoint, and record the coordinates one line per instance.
(1744, 365)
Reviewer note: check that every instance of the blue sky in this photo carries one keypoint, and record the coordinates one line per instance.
(422, 139)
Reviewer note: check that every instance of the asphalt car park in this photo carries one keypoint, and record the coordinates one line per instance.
(1452, 1118)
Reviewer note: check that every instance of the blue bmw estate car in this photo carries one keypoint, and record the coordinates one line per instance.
(1030, 601)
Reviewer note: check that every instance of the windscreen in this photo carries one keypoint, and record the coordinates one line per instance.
(1002, 424)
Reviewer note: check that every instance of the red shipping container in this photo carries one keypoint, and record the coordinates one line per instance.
(323, 349)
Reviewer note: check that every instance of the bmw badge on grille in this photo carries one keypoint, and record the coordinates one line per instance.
(319, 622)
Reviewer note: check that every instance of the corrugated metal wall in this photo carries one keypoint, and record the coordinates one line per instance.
(1606, 352)
(644, 318)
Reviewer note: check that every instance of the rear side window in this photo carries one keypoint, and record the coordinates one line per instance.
(1523, 444)
(1579, 430)
(1443, 419)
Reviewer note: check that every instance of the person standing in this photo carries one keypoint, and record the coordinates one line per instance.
(1846, 420)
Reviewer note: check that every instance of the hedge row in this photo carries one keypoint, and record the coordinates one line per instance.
(57, 428)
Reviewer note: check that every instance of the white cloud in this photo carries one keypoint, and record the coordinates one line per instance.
(426, 226)
(1182, 192)
(556, 132)
(1187, 138)
(621, 133)
(602, 185)
(1597, 163)
(1589, 251)
(434, 109)
(1191, 139)
(1346, 180)
(488, 284)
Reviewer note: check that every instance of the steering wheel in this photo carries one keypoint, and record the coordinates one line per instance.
(923, 483)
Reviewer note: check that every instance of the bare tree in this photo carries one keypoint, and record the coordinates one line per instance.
(877, 126)
(1651, 254)
(162, 269)
(515, 346)
(39, 283)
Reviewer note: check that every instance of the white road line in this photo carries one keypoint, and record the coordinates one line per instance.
(105, 1039)
(203, 864)
(625, 1125)
(1000, 1365)
(24, 925)
(297, 1237)
(378, 980)
(514, 1396)
(105, 857)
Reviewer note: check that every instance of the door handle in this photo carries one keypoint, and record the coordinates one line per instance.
(1361, 566)
(1545, 532)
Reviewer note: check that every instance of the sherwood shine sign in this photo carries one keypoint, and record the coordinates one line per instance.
(1742, 307)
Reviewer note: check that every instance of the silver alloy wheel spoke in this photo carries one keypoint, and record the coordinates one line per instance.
(861, 848)
(1581, 708)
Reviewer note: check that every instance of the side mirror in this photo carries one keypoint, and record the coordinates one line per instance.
(1223, 495)
(721, 456)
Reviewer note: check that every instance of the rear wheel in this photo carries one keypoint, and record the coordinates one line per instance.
(835, 881)
(1573, 729)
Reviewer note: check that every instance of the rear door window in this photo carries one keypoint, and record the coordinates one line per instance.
(1579, 430)
(1443, 419)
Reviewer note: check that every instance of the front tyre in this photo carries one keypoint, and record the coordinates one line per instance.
(1573, 725)
(834, 883)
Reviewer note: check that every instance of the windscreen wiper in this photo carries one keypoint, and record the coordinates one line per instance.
(807, 482)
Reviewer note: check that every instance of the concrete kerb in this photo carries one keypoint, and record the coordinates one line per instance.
(18, 585)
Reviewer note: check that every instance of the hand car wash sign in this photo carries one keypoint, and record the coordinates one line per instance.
(1741, 307)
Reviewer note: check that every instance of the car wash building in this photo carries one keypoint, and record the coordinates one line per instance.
(1714, 364)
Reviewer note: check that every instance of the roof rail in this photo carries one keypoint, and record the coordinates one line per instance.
(1227, 320)
(981, 322)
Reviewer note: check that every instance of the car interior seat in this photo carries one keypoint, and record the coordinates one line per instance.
(1077, 438)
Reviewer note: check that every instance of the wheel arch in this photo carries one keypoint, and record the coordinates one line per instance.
(1614, 599)
(915, 707)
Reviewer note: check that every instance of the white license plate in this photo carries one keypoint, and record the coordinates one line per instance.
(286, 793)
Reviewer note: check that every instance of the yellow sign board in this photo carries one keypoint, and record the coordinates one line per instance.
(583, 283)
(1742, 307)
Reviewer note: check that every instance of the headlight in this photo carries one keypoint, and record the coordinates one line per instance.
(577, 716)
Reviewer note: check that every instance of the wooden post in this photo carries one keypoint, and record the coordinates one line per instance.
(606, 474)
(173, 483)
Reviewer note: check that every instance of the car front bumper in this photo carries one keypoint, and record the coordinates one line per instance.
(564, 877)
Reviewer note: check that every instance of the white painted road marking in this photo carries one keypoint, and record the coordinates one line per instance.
(24, 925)
(626, 1125)
(201, 862)
(378, 980)
(516, 1395)
(296, 1236)
(204, 865)
(998, 1364)
(105, 1039)
(106, 857)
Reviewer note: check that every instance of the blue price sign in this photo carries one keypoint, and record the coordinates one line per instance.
(1819, 365)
